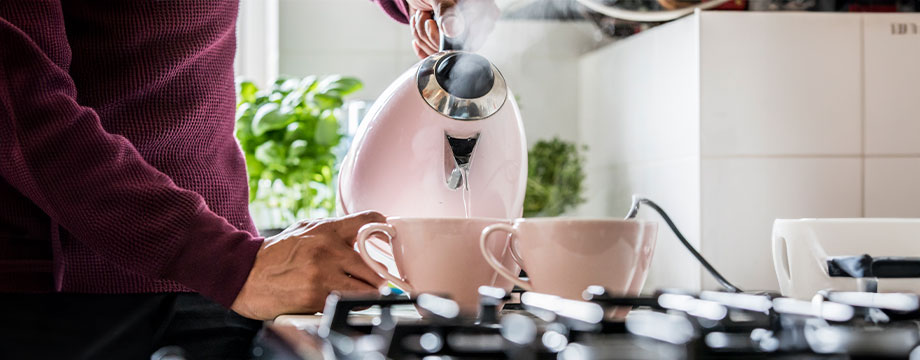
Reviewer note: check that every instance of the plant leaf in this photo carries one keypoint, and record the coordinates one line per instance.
(326, 101)
(340, 86)
(296, 152)
(327, 129)
(271, 154)
(270, 116)
(247, 92)
(287, 133)
(253, 166)
(555, 177)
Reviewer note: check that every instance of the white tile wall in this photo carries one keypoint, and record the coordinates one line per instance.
(328, 26)
(547, 92)
(780, 83)
(643, 106)
(892, 109)
(893, 187)
(539, 59)
(674, 185)
(375, 69)
(646, 144)
(321, 37)
(742, 196)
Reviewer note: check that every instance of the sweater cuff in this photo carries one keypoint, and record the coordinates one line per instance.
(215, 259)
(397, 9)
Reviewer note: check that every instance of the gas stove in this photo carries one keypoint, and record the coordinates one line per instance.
(670, 324)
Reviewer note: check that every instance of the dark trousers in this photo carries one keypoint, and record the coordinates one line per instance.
(128, 326)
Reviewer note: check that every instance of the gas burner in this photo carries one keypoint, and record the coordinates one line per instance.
(669, 324)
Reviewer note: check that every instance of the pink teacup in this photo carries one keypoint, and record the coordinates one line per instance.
(564, 256)
(441, 256)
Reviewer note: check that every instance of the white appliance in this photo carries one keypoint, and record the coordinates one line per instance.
(802, 248)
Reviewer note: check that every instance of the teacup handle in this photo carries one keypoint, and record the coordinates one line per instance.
(497, 265)
(363, 235)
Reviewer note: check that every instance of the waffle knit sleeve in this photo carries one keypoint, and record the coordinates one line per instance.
(397, 9)
(96, 185)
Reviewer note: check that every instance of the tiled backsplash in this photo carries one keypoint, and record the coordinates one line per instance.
(780, 83)
(780, 115)
(891, 108)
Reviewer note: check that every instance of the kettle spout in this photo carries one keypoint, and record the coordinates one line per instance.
(459, 153)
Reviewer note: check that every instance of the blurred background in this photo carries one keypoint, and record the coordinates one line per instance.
(728, 118)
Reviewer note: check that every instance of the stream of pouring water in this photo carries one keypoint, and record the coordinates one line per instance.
(467, 198)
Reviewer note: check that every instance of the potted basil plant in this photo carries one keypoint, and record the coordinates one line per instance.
(289, 134)
(555, 178)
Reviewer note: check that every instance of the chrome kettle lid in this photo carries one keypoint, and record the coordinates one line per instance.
(461, 85)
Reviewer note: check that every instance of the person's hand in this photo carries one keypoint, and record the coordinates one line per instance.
(425, 32)
(296, 270)
(471, 20)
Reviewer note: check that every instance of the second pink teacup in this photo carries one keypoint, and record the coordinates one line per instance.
(564, 256)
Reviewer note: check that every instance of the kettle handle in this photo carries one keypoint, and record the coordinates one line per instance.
(447, 43)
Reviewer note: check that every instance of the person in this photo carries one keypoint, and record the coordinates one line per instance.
(123, 195)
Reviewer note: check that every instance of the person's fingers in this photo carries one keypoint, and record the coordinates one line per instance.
(422, 30)
(420, 19)
(422, 38)
(433, 34)
(413, 27)
(349, 285)
(418, 50)
(420, 4)
(423, 45)
(352, 263)
(347, 227)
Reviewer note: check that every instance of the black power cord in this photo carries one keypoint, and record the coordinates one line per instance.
(634, 210)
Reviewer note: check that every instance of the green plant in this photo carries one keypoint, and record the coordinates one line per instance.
(554, 178)
(288, 133)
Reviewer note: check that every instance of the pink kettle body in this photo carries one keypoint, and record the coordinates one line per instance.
(422, 153)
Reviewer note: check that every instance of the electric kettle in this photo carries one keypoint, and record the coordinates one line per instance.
(445, 139)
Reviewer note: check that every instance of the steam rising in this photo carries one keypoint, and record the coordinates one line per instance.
(478, 18)
(522, 34)
(541, 9)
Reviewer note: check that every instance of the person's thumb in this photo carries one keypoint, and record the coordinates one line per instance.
(347, 227)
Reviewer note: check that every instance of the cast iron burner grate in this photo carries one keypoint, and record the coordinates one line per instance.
(670, 324)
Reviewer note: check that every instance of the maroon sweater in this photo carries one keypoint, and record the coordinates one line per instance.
(119, 172)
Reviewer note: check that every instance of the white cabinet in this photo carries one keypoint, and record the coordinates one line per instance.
(892, 115)
(779, 84)
(892, 78)
(732, 119)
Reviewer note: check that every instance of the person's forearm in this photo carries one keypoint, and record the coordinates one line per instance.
(397, 9)
(98, 187)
